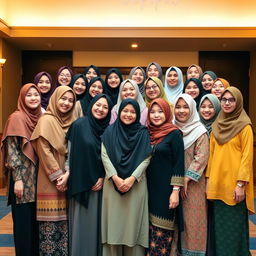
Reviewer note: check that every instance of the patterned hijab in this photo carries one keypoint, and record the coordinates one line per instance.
(228, 125)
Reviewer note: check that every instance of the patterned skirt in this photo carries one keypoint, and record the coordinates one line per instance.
(160, 241)
(231, 229)
(53, 238)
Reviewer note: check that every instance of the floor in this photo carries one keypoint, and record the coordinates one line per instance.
(6, 237)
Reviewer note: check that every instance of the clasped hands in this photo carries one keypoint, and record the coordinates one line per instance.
(123, 185)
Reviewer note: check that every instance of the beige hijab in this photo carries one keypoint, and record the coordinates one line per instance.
(53, 125)
(227, 126)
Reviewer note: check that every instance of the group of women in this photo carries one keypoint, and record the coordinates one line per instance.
(119, 167)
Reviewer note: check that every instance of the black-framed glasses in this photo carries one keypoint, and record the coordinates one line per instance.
(229, 100)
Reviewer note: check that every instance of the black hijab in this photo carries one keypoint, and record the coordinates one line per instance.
(127, 145)
(113, 92)
(200, 87)
(85, 101)
(96, 69)
(85, 153)
(73, 80)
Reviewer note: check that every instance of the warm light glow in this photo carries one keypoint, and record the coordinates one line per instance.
(134, 45)
(2, 61)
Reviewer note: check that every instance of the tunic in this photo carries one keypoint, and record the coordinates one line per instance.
(78, 111)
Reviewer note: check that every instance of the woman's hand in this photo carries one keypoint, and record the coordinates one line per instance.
(174, 199)
(98, 185)
(61, 184)
(128, 183)
(118, 181)
(18, 188)
(239, 194)
(184, 190)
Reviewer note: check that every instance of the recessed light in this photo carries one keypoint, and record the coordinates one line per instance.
(134, 45)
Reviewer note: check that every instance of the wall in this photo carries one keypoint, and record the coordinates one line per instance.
(3, 10)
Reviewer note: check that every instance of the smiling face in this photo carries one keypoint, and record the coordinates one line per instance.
(79, 86)
(152, 90)
(128, 114)
(113, 80)
(172, 78)
(207, 110)
(218, 88)
(66, 102)
(228, 103)
(96, 88)
(181, 111)
(138, 76)
(207, 82)
(44, 84)
(91, 73)
(193, 73)
(192, 89)
(100, 108)
(32, 98)
(153, 71)
(157, 115)
(128, 91)
(64, 77)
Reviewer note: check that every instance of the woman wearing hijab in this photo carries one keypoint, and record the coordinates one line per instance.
(79, 84)
(64, 76)
(194, 88)
(95, 86)
(173, 84)
(164, 186)
(138, 75)
(113, 80)
(91, 72)
(196, 145)
(43, 80)
(194, 71)
(86, 177)
(209, 109)
(125, 155)
(219, 86)
(50, 145)
(130, 90)
(154, 69)
(207, 79)
(20, 161)
(230, 176)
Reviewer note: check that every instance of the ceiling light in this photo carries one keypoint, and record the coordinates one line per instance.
(134, 45)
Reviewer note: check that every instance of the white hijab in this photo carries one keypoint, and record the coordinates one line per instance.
(192, 129)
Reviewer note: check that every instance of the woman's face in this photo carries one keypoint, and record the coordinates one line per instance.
(96, 88)
(172, 78)
(152, 90)
(100, 108)
(79, 86)
(228, 103)
(44, 84)
(32, 98)
(128, 114)
(66, 102)
(218, 88)
(153, 71)
(157, 115)
(91, 73)
(207, 110)
(64, 77)
(138, 76)
(113, 80)
(182, 111)
(193, 73)
(192, 89)
(207, 82)
(128, 91)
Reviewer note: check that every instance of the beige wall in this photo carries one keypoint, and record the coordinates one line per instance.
(131, 13)
(3, 10)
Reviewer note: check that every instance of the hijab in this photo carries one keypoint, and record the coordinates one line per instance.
(59, 71)
(192, 129)
(158, 133)
(139, 98)
(160, 86)
(159, 68)
(96, 69)
(85, 101)
(200, 87)
(113, 92)
(45, 96)
(85, 152)
(141, 85)
(127, 145)
(212, 75)
(200, 71)
(228, 125)
(53, 125)
(216, 105)
(173, 92)
(73, 80)
(22, 123)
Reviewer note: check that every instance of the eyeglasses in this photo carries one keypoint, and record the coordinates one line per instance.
(153, 87)
(230, 100)
(65, 75)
